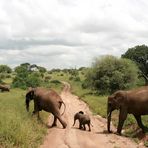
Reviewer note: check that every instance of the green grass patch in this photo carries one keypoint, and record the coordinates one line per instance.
(17, 127)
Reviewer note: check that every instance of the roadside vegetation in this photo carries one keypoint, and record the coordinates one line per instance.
(92, 84)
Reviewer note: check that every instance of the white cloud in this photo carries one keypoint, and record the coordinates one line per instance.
(67, 33)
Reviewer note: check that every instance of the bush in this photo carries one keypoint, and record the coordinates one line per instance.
(77, 79)
(71, 78)
(109, 74)
(48, 78)
(2, 75)
(25, 78)
(5, 69)
(55, 81)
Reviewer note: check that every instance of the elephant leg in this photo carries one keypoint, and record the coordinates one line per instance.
(84, 126)
(54, 122)
(38, 115)
(122, 118)
(89, 126)
(74, 122)
(33, 112)
(58, 116)
(139, 121)
(80, 125)
(36, 109)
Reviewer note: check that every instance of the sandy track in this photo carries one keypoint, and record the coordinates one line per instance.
(72, 137)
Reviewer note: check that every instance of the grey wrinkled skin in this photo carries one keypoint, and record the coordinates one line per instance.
(83, 120)
(47, 100)
(128, 102)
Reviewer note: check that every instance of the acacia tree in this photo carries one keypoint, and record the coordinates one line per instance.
(139, 54)
(109, 74)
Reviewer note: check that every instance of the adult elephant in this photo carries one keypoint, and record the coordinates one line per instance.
(47, 100)
(133, 102)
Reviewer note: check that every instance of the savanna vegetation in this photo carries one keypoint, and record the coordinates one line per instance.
(92, 84)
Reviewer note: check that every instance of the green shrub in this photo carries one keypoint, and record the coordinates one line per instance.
(71, 78)
(55, 81)
(77, 78)
(27, 79)
(109, 74)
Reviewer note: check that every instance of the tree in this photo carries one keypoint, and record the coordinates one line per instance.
(5, 69)
(139, 54)
(26, 78)
(109, 74)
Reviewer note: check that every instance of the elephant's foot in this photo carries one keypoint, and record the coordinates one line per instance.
(144, 129)
(118, 133)
(109, 131)
(64, 125)
(33, 113)
(53, 125)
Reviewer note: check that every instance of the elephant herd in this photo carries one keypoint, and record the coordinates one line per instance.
(127, 102)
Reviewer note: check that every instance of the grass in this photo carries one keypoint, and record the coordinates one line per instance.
(17, 127)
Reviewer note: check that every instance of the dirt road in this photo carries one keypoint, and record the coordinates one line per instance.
(72, 137)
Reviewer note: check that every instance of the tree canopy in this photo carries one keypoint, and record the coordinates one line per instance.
(5, 69)
(139, 54)
(109, 74)
(25, 77)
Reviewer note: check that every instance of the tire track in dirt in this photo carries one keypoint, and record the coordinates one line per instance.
(72, 137)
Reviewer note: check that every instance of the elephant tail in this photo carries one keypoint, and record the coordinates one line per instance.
(91, 124)
(64, 108)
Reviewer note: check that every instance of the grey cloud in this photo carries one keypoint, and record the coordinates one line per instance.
(94, 25)
(67, 33)
(26, 43)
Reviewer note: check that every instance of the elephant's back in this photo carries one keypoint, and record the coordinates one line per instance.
(48, 95)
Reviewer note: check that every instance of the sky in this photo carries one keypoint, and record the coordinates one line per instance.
(69, 33)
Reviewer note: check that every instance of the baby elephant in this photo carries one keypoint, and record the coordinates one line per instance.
(83, 119)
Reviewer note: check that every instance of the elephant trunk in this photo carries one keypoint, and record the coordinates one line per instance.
(109, 112)
(27, 104)
(28, 99)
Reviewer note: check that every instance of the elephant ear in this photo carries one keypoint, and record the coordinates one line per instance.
(81, 112)
(119, 98)
(30, 94)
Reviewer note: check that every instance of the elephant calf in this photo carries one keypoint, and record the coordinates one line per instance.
(83, 119)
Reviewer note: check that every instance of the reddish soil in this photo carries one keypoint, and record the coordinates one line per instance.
(72, 137)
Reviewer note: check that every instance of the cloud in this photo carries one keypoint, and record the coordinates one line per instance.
(67, 33)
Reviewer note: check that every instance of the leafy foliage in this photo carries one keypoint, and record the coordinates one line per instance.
(139, 54)
(5, 69)
(109, 74)
(25, 78)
